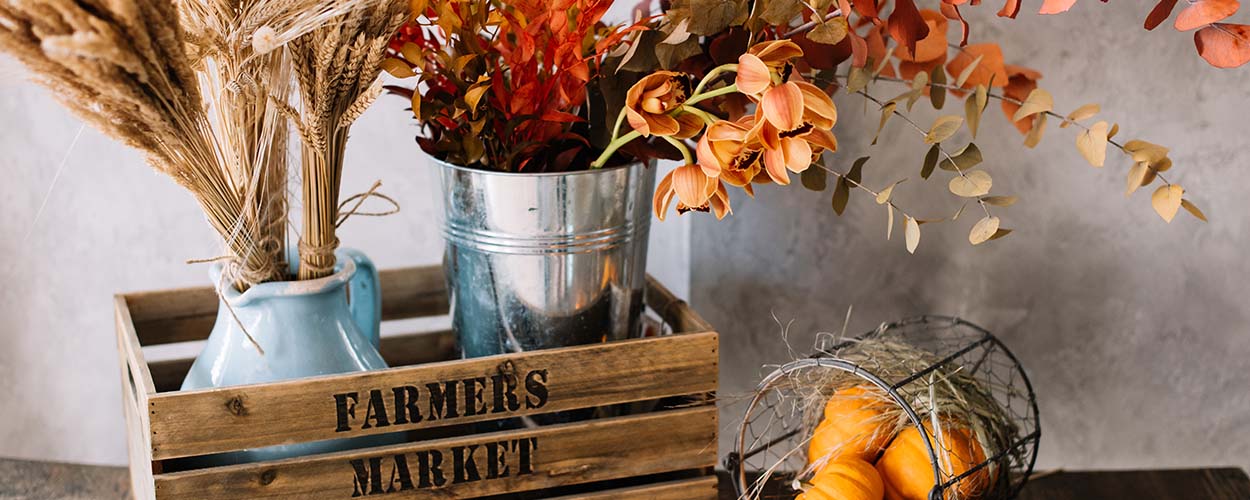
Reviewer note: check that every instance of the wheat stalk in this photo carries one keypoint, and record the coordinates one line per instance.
(337, 69)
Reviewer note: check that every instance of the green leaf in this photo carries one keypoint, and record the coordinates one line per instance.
(857, 169)
(937, 92)
(814, 178)
(930, 161)
(841, 194)
(966, 158)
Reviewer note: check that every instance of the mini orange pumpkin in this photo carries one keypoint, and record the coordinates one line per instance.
(852, 427)
(907, 471)
(845, 479)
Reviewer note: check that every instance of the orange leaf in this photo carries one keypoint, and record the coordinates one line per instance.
(1203, 12)
(930, 47)
(1224, 45)
(1160, 13)
(990, 67)
(952, 12)
(1010, 9)
(906, 25)
(1021, 82)
(1056, 6)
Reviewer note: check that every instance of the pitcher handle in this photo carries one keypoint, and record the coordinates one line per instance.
(366, 295)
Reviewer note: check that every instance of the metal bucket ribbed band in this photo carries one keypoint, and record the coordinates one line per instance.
(531, 244)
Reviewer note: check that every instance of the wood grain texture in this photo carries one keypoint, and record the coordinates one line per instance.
(674, 311)
(563, 455)
(699, 488)
(130, 346)
(398, 350)
(233, 418)
(188, 314)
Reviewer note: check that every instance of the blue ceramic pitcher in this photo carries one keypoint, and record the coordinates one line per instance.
(304, 328)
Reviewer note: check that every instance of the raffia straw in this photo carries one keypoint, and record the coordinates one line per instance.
(946, 397)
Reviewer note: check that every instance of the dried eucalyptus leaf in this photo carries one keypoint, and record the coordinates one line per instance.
(1000, 201)
(780, 12)
(1092, 143)
(1035, 133)
(971, 184)
(1167, 200)
(967, 72)
(889, 221)
(883, 196)
(943, 128)
(1081, 113)
(857, 80)
(1038, 101)
(1193, 210)
(886, 112)
(1136, 175)
(830, 32)
(911, 234)
(983, 230)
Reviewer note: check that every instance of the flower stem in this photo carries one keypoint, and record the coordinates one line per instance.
(697, 98)
(708, 118)
(681, 146)
(711, 75)
(613, 146)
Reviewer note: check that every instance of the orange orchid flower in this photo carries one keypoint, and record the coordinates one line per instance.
(757, 67)
(723, 152)
(793, 122)
(649, 102)
(694, 190)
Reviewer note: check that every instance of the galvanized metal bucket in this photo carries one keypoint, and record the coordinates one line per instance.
(536, 261)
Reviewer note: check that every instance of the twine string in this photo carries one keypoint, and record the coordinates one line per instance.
(358, 199)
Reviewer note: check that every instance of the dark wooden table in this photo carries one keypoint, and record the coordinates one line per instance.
(27, 480)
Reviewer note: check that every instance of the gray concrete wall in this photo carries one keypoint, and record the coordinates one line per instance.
(1135, 332)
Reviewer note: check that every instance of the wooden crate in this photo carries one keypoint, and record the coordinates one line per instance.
(664, 452)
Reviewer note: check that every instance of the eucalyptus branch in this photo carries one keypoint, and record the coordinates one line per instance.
(812, 24)
(923, 132)
(856, 184)
(1017, 102)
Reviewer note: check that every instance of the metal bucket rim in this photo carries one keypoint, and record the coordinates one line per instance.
(479, 171)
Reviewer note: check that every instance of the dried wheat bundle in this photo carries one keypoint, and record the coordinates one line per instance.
(197, 86)
(123, 68)
(337, 68)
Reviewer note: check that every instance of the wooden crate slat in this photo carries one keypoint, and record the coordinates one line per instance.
(128, 342)
(699, 488)
(188, 314)
(541, 458)
(674, 311)
(226, 419)
(398, 350)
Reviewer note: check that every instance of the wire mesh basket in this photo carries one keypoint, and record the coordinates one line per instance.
(925, 368)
